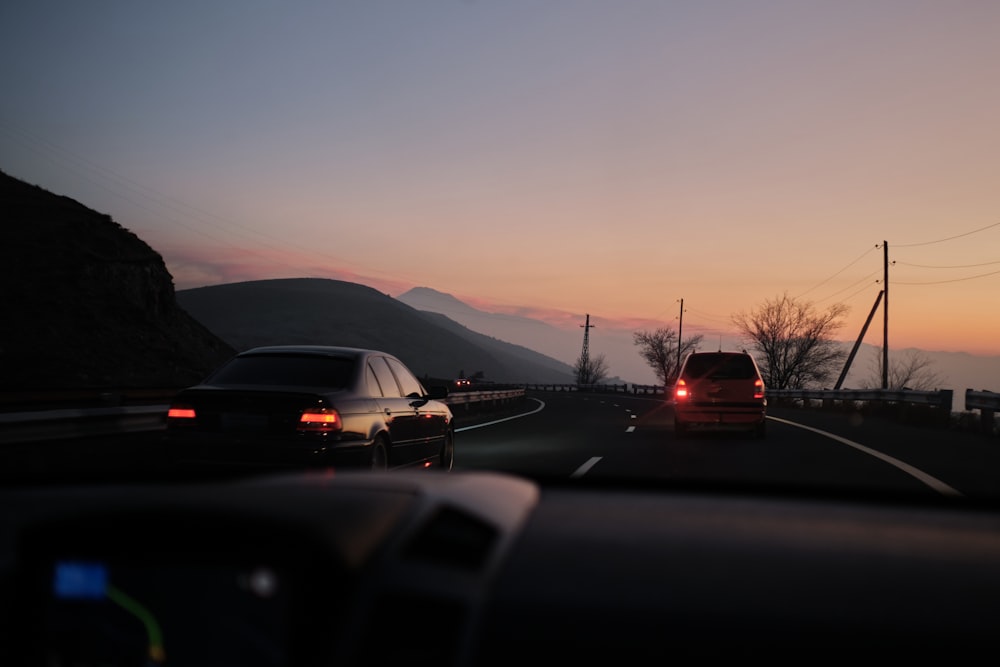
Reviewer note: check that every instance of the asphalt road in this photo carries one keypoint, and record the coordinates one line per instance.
(611, 437)
(594, 438)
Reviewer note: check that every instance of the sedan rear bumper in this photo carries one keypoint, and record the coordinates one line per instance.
(180, 449)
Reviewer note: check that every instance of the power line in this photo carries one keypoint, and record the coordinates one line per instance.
(857, 292)
(708, 316)
(950, 238)
(954, 266)
(953, 280)
(851, 286)
(823, 282)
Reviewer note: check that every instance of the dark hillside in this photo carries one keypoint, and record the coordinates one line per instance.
(333, 312)
(86, 303)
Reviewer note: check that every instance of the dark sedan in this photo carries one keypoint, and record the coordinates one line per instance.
(312, 405)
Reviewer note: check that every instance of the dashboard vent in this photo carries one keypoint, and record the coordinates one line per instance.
(453, 538)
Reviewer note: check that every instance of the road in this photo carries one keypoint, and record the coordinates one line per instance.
(597, 437)
(601, 437)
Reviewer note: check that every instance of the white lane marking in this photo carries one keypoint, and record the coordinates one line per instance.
(582, 470)
(630, 429)
(541, 406)
(932, 482)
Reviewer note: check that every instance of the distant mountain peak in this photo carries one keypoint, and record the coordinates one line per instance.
(426, 298)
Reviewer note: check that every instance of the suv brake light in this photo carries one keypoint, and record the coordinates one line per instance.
(681, 391)
(758, 388)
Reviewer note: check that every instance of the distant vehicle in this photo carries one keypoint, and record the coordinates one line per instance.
(463, 382)
(312, 405)
(721, 390)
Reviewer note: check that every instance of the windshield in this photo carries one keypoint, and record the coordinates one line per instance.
(535, 211)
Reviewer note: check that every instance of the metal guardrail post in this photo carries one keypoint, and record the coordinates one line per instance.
(987, 402)
(902, 399)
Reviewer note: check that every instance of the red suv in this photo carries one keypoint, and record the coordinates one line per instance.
(720, 390)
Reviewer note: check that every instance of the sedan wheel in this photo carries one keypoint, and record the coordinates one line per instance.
(448, 453)
(380, 456)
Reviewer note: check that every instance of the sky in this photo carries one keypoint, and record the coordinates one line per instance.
(550, 158)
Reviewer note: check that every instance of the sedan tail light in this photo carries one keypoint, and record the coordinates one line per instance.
(181, 411)
(319, 420)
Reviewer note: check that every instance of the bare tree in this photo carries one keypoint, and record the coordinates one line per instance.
(659, 349)
(591, 369)
(911, 369)
(793, 341)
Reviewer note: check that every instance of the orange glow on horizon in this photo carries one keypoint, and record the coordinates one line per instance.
(933, 321)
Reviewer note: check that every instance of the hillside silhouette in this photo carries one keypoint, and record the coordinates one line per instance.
(88, 304)
(323, 311)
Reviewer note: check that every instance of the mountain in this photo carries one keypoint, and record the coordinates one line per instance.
(334, 312)
(94, 306)
(536, 334)
(499, 347)
(86, 303)
(616, 345)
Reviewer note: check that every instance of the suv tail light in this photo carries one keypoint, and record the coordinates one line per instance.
(319, 420)
(681, 391)
(758, 388)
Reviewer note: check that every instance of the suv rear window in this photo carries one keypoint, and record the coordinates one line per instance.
(720, 366)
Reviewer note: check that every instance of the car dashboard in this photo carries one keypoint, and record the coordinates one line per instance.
(481, 568)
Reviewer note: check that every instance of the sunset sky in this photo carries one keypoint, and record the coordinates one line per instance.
(551, 157)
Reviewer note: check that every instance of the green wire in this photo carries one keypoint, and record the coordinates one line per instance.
(153, 632)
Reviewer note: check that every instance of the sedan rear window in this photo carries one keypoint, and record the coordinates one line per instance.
(720, 367)
(295, 371)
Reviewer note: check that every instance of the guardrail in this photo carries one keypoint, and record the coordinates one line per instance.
(982, 400)
(918, 407)
(937, 405)
(938, 399)
(68, 423)
(493, 397)
(60, 424)
(625, 388)
(987, 402)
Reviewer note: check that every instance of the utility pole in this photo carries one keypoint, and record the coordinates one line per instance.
(885, 314)
(857, 343)
(585, 355)
(680, 328)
